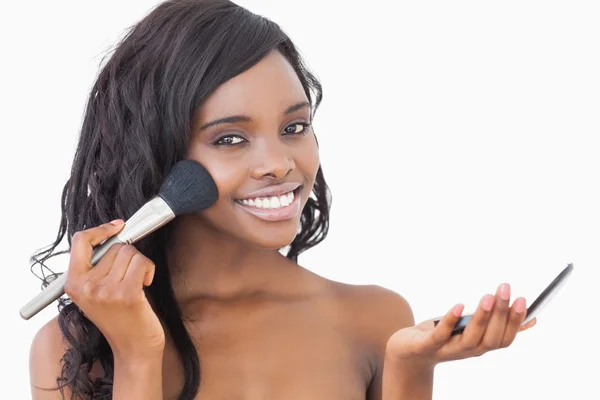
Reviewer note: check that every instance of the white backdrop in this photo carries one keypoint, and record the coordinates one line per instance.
(460, 139)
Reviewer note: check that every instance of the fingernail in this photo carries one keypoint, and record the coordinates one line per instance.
(488, 303)
(117, 222)
(520, 305)
(505, 291)
(458, 309)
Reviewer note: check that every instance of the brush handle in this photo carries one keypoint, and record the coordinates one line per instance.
(151, 216)
(56, 288)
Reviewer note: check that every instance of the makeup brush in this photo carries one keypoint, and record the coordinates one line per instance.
(187, 189)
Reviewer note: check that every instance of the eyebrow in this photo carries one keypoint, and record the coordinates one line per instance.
(242, 118)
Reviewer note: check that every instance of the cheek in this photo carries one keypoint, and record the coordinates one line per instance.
(228, 178)
(226, 171)
(308, 160)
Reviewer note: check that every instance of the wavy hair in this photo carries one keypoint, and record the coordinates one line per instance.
(135, 128)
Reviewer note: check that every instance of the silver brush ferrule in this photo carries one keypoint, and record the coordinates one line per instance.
(153, 215)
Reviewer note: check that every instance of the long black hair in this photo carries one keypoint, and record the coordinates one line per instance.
(135, 128)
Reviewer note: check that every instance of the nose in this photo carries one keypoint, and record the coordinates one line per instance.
(273, 160)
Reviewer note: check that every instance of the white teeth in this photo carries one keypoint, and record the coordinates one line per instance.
(275, 203)
(271, 202)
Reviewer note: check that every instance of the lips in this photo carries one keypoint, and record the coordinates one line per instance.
(276, 203)
(274, 190)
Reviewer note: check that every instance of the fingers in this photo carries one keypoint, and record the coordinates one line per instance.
(497, 323)
(515, 319)
(121, 263)
(140, 272)
(476, 328)
(119, 276)
(494, 325)
(149, 276)
(105, 265)
(83, 242)
(443, 331)
(528, 325)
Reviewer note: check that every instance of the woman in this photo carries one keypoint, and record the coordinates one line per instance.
(208, 307)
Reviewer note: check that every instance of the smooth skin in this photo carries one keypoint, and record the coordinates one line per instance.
(264, 327)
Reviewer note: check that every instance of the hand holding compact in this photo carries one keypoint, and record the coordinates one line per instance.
(494, 325)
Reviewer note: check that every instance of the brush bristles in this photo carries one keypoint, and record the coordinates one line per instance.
(188, 188)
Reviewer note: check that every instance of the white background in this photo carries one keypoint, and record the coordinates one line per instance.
(460, 140)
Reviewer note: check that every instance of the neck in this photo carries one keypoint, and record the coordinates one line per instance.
(206, 264)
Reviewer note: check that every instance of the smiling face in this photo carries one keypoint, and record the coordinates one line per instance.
(253, 135)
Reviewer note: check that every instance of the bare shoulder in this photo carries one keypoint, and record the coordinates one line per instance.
(376, 311)
(47, 349)
(373, 312)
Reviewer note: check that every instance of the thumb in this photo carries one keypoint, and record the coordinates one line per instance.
(443, 328)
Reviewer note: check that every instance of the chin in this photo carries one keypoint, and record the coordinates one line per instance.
(274, 238)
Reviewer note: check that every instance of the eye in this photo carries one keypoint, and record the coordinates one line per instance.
(298, 128)
(230, 140)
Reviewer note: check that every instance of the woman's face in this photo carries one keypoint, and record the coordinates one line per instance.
(253, 136)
